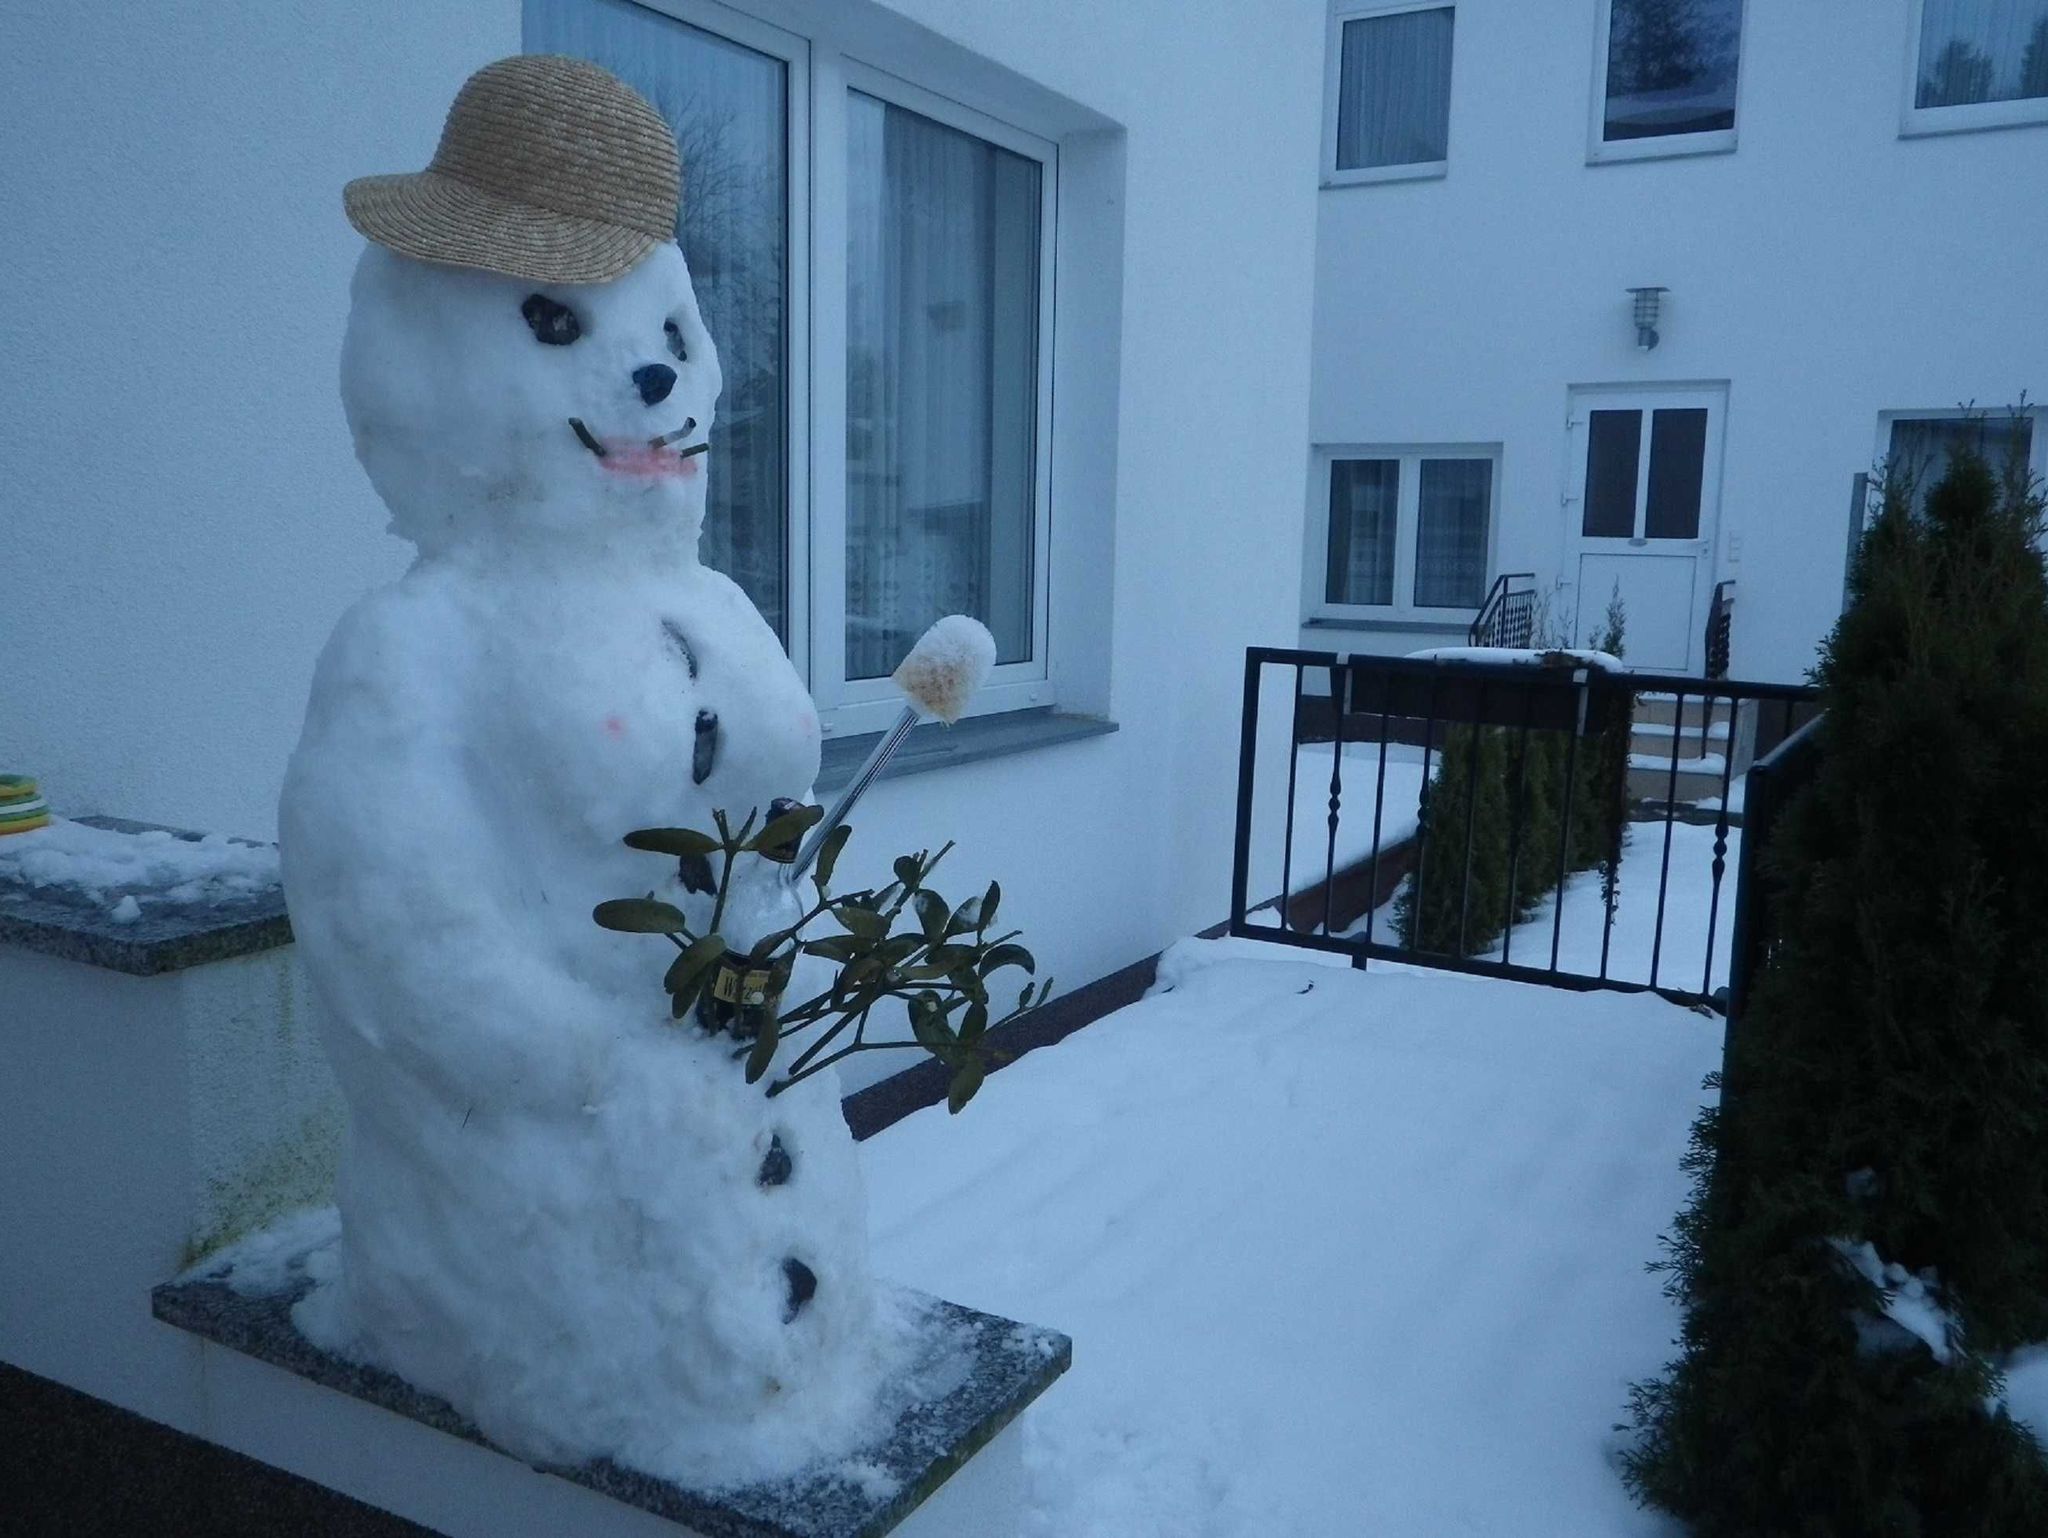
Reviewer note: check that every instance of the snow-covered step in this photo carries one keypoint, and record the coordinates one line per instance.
(1653, 738)
(1696, 780)
(1663, 709)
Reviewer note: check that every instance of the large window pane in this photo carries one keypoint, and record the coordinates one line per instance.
(1394, 90)
(1982, 50)
(1678, 461)
(941, 384)
(728, 106)
(1671, 67)
(1614, 440)
(1921, 446)
(1450, 532)
(1365, 497)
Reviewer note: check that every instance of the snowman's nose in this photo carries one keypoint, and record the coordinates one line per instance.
(654, 381)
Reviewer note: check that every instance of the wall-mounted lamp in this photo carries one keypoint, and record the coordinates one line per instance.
(1648, 302)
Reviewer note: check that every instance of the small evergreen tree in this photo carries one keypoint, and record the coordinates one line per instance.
(1888, 1080)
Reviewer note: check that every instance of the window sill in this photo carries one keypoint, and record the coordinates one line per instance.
(1975, 117)
(1405, 626)
(1616, 152)
(1373, 176)
(935, 746)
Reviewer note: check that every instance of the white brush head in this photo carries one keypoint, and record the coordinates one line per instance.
(946, 666)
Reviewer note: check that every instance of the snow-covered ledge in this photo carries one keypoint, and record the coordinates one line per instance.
(164, 1095)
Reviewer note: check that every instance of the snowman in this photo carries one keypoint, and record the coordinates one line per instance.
(561, 1212)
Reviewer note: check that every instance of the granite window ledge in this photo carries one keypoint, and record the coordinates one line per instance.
(1390, 626)
(936, 746)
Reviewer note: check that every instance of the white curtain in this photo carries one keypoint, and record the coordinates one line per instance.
(941, 386)
(728, 107)
(1982, 50)
(1394, 90)
(1365, 498)
(1453, 498)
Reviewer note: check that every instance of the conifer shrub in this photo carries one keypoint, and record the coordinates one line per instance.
(1482, 778)
(1888, 1079)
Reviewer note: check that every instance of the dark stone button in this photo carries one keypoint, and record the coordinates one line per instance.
(803, 1286)
(775, 1165)
(695, 872)
(705, 753)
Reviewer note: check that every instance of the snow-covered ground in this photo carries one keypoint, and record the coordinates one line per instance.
(1311, 860)
(1688, 907)
(1341, 1252)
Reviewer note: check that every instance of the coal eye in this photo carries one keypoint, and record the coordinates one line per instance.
(552, 323)
(675, 341)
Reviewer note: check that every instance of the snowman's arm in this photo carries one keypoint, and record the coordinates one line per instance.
(398, 878)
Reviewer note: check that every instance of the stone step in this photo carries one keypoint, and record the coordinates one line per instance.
(1654, 782)
(1653, 739)
(1662, 709)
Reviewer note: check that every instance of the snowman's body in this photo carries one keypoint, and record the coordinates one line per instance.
(564, 1213)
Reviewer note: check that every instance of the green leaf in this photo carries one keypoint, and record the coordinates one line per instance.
(928, 1025)
(990, 901)
(974, 1023)
(675, 841)
(909, 871)
(863, 922)
(965, 917)
(932, 914)
(1000, 956)
(638, 916)
(686, 974)
(841, 948)
(828, 854)
(966, 1080)
(947, 957)
(764, 1048)
(786, 829)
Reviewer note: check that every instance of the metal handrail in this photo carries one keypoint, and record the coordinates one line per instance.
(1487, 623)
(1720, 620)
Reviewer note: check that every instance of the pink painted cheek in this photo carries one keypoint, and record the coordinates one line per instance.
(614, 727)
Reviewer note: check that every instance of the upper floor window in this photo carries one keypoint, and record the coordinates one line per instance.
(1977, 64)
(1667, 72)
(875, 263)
(1388, 102)
(1402, 533)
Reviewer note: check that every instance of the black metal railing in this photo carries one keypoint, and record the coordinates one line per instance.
(1508, 616)
(1720, 620)
(1487, 817)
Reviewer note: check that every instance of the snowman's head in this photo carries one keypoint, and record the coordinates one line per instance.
(495, 414)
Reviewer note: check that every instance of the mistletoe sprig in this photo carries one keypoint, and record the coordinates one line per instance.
(903, 942)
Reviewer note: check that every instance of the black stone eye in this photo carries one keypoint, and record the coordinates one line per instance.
(675, 341)
(554, 324)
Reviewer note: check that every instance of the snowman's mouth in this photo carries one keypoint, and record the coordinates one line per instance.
(643, 456)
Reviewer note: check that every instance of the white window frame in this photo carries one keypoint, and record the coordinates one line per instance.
(821, 70)
(1342, 11)
(857, 705)
(2037, 416)
(1715, 141)
(1971, 117)
(1316, 603)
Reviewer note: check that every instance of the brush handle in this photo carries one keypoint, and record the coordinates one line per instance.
(892, 739)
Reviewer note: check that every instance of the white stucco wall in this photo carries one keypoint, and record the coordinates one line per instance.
(1828, 270)
(185, 519)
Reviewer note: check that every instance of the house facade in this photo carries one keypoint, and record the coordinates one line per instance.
(1836, 210)
(1014, 308)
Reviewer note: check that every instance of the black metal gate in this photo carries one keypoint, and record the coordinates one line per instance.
(1458, 811)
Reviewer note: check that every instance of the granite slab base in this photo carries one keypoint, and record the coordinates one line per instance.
(994, 1366)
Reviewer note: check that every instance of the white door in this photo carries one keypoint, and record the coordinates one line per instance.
(1641, 505)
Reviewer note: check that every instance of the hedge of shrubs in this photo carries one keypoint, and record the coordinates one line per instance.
(1884, 1132)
